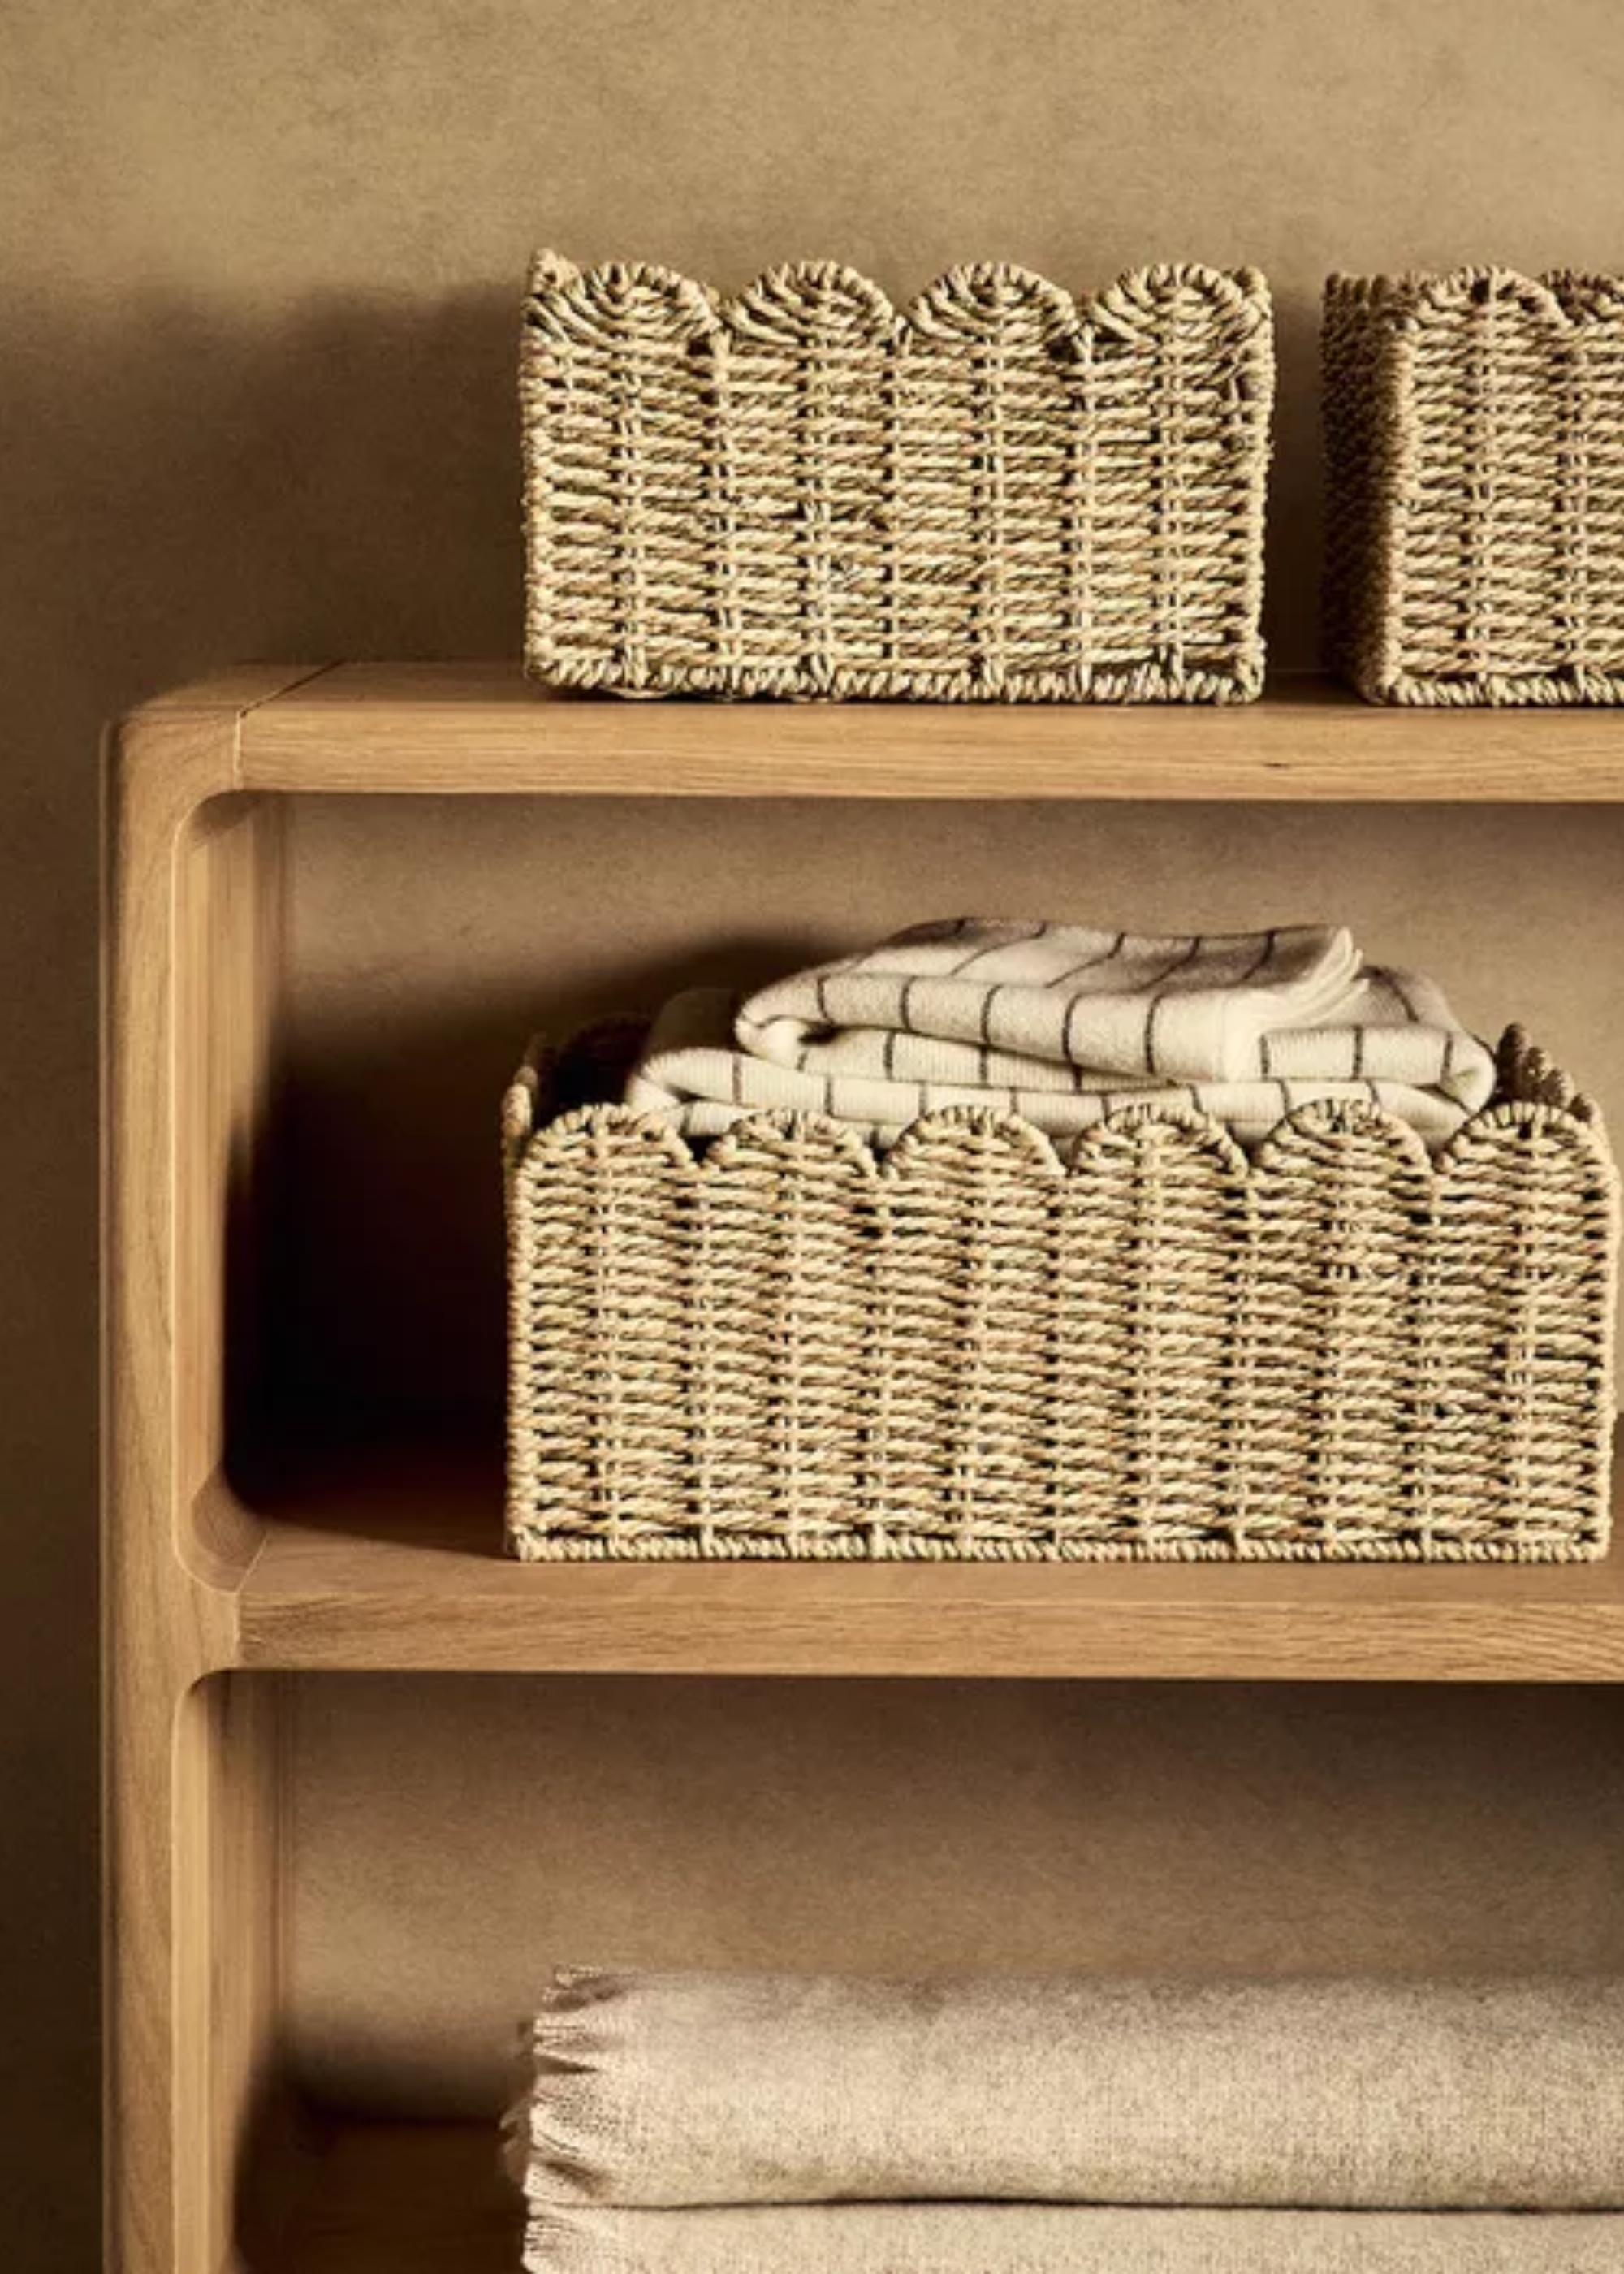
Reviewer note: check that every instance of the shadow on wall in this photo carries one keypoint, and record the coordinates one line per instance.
(339, 480)
(188, 488)
(1296, 515)
(385, 1290)
(182, 488)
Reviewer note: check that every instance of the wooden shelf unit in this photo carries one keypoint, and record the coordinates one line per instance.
(214, 1591)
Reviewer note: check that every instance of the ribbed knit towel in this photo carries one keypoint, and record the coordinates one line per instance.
(1036, 2239)
(1063, 1026)
(664, 2090)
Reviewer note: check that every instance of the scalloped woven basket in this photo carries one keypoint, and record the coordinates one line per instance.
(994, 493)
(1475, 445)
(1151, 1348)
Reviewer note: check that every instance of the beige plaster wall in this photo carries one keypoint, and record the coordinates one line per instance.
(258, 269)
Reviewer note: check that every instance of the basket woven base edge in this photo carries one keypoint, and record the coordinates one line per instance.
(1149, 684)
(529, 1548)
(1491, 692)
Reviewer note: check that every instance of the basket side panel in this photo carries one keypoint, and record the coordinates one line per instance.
(1515, 1328)
(572, 593)
(1153, 1244)
(619, 402)
(602, 1231)
(1171, 391)
(780, 1328)
(1217, 390)
(941, 596)
(1475, 459)
(723, 1502)
(1485, 560)
(804, 458)
(965, 1272)
(1593, 447)
(1182, 450)
(994, 549)
(1322, 1427)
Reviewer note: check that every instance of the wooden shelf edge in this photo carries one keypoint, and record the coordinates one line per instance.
(396, 1564)
(483, 728)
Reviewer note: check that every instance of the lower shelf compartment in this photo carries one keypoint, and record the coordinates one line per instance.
(376, 2198)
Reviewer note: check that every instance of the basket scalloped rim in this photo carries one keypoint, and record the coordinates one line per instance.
(566, 302)
(1567, 297)
(960, 1131)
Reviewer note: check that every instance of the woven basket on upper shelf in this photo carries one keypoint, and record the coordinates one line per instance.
(1475, 443)
(993, 493)
(1145, 1346)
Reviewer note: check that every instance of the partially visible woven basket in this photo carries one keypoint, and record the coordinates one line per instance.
(1475, 443)
(1151, 1348)
(993, 493)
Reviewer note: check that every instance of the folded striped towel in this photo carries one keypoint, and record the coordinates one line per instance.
(1064, 1025)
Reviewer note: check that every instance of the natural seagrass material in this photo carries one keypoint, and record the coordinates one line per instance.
(1475, 440)
(1143, 1344)
(996, 492)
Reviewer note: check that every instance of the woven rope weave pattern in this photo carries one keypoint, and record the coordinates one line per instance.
(1145, 1347)
(993, 494)
(1475, 447)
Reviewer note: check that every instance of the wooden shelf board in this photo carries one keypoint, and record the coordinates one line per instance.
(392, 2198)
(397, 1564)
(483, 728)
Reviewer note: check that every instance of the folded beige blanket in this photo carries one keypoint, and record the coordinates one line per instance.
(660, 2089)
(1034, 2239)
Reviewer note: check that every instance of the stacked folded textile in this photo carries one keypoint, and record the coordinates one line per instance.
(713, 2124)
(1063, 1026)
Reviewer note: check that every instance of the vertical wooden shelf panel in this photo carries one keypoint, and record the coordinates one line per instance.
(212, 1595)
(190, 1785)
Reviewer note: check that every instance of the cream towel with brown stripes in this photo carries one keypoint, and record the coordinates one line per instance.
(1064, 1026)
